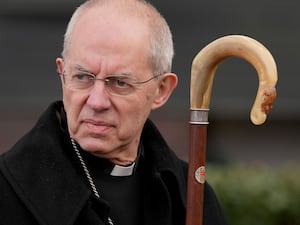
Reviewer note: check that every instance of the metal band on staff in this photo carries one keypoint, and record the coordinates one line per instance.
(204, 67)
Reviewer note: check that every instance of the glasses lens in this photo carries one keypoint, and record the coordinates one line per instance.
(79, 81)
(119, 85)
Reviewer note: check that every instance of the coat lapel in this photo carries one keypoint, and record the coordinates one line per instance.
(50, 187)
(167, 188)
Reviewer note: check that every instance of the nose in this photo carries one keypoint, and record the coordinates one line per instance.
(98, 98)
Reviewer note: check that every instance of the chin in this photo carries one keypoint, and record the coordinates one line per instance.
(92, 145)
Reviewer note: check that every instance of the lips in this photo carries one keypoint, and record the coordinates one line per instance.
(97, 126)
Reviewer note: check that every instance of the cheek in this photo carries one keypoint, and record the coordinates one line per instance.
(73, 103)
(140, 111)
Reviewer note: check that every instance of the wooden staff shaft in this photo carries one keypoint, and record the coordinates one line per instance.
(197, 152)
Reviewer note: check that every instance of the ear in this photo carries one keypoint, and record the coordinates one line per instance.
(59, 65)
(166, 85)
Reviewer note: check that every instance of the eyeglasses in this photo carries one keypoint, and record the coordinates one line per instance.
(115, 84)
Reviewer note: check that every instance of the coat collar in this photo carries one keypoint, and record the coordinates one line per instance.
(47, 185)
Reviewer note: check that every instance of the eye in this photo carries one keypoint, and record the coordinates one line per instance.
(119, 82)
(83, 77)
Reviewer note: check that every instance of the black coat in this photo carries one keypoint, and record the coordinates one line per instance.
(41, 182)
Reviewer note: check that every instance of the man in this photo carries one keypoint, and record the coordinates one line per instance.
(95, 158)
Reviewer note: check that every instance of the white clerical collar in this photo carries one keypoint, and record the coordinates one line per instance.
(122, 171)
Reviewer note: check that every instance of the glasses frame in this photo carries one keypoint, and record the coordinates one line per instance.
(108, 80)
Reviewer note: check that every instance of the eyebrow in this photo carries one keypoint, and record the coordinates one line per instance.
(82, 69)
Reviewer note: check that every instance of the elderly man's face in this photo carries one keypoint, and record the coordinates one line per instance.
(108, 125)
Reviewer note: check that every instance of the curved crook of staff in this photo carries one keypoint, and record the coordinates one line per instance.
(204, 67)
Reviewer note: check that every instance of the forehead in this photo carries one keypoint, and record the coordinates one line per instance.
(110, 25)
(105, 32)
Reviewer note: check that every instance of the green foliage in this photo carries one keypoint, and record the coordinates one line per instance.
(257, 194)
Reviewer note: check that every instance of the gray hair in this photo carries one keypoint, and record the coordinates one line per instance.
(161, 43)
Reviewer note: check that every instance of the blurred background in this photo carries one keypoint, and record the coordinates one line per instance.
(31, 36)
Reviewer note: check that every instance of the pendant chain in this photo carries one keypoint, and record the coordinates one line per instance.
(88, 175)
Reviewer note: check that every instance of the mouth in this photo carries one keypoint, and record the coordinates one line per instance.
(98, 127)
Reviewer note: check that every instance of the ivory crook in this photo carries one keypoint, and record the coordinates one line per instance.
(208, 59)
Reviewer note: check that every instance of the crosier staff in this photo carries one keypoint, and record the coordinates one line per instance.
(203, 70)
